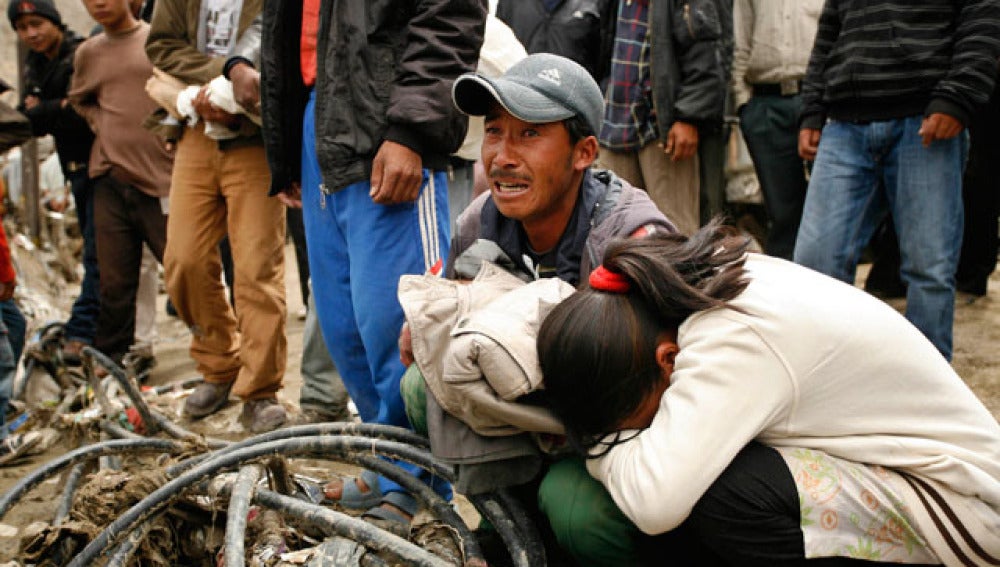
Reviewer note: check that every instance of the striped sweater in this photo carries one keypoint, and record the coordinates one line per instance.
(886, 59)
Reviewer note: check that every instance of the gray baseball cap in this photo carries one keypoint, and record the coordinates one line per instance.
(539, 88)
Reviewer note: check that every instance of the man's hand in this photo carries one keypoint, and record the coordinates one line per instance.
(808, 143)
(246, 86)
(682, 141)
(396, 174)
(212, 113)
(939, 126)
(291, 197)
(7, 289)
(31, 101)
(405, 345)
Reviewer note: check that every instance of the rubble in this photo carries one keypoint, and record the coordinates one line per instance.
(162, 495)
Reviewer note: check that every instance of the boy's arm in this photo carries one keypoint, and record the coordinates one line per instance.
(83, 88)
(700, 38)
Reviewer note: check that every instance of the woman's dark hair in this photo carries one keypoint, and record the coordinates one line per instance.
(598, 349)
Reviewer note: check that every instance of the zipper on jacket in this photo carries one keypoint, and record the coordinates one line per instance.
(322, 196)
(687, 19)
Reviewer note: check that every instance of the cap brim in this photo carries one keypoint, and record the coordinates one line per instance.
(475, 94)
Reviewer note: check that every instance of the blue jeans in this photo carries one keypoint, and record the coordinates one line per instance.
(12, 328)
(82, 324)
(357, 250)
(922, 191)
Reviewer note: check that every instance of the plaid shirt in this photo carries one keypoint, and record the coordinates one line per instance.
(629, 117)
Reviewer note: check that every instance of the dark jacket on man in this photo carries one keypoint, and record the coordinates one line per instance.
(581, 30)
(896, 58)
(690, 62)
(49, 81)
(385, 70)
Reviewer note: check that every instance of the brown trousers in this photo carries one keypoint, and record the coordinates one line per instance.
(124, 218)
(673, 186)
(216, 192)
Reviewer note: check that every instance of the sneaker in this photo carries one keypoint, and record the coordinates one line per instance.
(207, 398)
(71, 351)
(17, 445)
(263, 415)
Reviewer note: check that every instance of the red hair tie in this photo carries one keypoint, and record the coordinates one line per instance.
(603, 279)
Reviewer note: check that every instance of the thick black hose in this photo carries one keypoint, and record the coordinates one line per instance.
(374, 430)
(336, 523)
(131, 390)
(69, 489)
(526, 526)
(178, 432)
(490, 507)
(236, 518)
(51, 468)
(438, 506)
(314, 447)
(118, 432)
(121, 555)
(441, 509)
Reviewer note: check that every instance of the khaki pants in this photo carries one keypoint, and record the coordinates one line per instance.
(215, 192)
(673, 186)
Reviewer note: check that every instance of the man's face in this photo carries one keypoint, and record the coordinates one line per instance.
(533, 170)
(38, 33)
(108, 13)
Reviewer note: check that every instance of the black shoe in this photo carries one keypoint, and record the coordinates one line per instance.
(207, 398)
(263, 415)
(972, 287)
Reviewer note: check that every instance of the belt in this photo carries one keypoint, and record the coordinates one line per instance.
(788, 87)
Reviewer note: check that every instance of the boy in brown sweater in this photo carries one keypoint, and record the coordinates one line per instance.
(129, 165)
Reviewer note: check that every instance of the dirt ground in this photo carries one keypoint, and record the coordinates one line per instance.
(977, 360)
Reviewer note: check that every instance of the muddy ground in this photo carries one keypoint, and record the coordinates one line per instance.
(977, 360)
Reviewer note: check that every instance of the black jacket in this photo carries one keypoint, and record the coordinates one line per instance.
(690, 62)
(385, 70)
(581, 30)
(49, 80)
(898, 58)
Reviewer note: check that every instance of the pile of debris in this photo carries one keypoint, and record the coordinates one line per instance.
(142, 490)
(137, 488)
